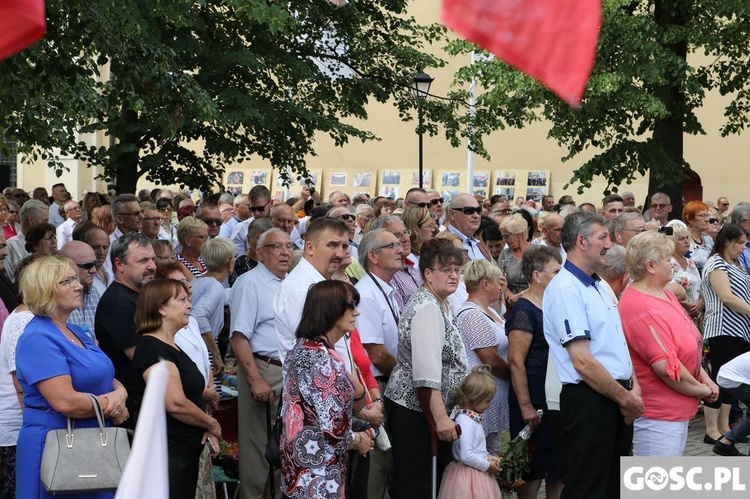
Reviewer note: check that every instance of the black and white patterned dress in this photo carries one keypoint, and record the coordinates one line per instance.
(424, 329)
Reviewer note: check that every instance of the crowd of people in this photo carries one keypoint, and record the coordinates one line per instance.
(397, 339)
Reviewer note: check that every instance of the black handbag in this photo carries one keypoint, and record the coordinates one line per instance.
(84, 460)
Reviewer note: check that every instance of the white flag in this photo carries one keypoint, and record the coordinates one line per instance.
(146, 474)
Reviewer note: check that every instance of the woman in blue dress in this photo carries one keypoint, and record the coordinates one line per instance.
(57, 365)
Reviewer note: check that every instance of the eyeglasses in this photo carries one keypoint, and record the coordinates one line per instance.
(256, 209)
(70, 281)
(448, 271)
(469, 210)
(165, 209)
(713, 220)
(151, 219)
(659, 205)
(401, 235)
(352, 305)
(437, 201)
(277, 247)
(212, 221)
(388, 246)
(133, 213)
(87, 265)
(226, 210)
(346, 216)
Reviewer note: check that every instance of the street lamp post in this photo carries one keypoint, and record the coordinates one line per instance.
(421, 88)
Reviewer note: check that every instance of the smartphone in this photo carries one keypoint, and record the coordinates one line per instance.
(211, 447)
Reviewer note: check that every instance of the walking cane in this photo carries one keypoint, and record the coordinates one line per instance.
(424, 395)
(268, 431)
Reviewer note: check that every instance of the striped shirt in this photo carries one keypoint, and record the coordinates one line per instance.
(720, 319)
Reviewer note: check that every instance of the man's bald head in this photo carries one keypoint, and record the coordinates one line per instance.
(85, 259)
(283, 217)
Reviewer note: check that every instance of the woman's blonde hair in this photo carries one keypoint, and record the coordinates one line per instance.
(515, 224)
(478, 270)
(217, 252)
(414, 217)
(475, 387)
(40, 280)
(188, 227)
(648, 246)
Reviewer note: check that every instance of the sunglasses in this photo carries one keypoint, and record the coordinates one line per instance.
(346, 216)
(424, 205)
(256, 209)
(713, 220)
(437, 201)
(469, 210)
(87, 265)
(212, 221)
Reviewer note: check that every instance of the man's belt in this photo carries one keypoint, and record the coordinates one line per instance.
(625, 383)
(267, 360)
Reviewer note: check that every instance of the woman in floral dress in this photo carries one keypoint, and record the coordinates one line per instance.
(320, 398)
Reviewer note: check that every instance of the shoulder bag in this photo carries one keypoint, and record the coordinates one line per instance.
(86, 460)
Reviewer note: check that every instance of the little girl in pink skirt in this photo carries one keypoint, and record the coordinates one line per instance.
(472, 473)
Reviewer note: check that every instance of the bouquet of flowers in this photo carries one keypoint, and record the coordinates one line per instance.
(516, 460)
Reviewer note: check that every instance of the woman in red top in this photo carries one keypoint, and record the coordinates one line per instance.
(665, 347)
(6, 220)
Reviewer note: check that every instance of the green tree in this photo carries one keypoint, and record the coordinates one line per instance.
(240, 77)
(656, 61)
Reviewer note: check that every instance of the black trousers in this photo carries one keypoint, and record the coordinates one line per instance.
(724, 349)
(596, 436)
(412, 456)
(183, 474)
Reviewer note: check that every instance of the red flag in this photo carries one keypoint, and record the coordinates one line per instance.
(22, 22)
(554, 41)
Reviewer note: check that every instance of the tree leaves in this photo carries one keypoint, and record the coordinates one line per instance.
(243, 78)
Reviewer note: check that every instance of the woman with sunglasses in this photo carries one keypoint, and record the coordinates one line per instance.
(423, 227)
(430, 364)
(696, 216)
(192, 233)
(514, 230)
(320, 398)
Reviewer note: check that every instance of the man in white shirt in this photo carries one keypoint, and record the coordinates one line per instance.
(552, 225)
(325, 247)
(255, 346)
(59, 195)
(380, 255)
(260, 204)
(32, 212)
(241, 213)
(465, 215)
(65, 229)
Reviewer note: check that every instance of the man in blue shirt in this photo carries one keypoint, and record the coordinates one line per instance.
(600, 397)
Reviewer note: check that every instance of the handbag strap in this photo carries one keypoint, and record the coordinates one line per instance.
(99, 417)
